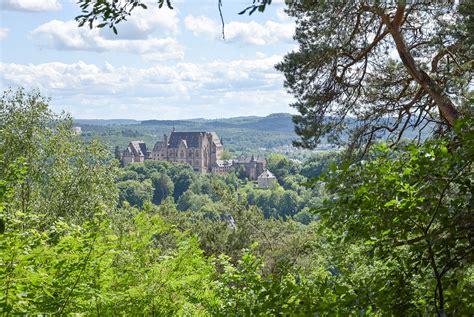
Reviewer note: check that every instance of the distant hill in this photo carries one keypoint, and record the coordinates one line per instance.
(105, 122)
(275, 122)
(241, 134)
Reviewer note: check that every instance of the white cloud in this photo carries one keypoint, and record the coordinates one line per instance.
(201, 25)
(144, 23)
(252, 32)
(260, 34)
(31, 5)
(225, 74)
(4, 33)
(181, 90)
(67, 36)
(64, 35)
(150, 49)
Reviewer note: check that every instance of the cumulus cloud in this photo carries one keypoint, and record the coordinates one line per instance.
(67, 36)
(223, 74)
(31, 5)
(201, 25)
(252, 32)
(4, 33)
(144, 23)
(260, 34)
(182, 90)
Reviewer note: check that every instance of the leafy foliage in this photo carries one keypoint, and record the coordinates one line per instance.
(103, 13)
(65, 177)
(413, 207)
(391, 235)
(365, 68)
(145, 267)
(110, 12)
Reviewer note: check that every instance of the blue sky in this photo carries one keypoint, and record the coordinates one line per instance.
(163, 64)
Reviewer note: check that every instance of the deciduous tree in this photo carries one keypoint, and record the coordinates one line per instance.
(66, 177)
(413, 206)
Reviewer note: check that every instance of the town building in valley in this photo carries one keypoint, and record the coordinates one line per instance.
(250, 165)
(266, 180)
(253, 166)
(223, 166)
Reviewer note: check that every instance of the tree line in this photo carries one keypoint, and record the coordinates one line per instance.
(384, 235)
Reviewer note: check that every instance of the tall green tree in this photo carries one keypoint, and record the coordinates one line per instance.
(163, 187)
(136, 193)
(365, 70)
(65, 177)
(281, 166)
(182, 180)
(65, 249)
(412, 207)
(117, 153)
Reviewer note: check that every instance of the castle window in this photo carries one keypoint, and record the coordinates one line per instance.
(182, 153)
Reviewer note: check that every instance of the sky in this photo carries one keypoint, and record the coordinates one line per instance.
(163, 64)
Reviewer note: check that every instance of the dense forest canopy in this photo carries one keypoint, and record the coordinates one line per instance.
(80, 235)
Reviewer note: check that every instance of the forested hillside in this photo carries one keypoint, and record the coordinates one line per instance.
(241, 135)
(81, 235)
(244, 135)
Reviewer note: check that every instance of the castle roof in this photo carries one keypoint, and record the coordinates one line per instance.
(215, 138)
(184, 143)
(138, 148)
(159, 145)
(249, 159)
(266, 174)
(191, 138)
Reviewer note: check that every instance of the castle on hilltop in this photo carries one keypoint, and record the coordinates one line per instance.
(202, 150)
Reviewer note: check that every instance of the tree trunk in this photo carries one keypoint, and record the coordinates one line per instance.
(446, 108)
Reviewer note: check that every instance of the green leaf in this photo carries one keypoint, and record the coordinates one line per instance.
(386, 232)
(391, 203)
